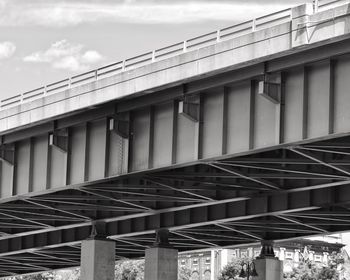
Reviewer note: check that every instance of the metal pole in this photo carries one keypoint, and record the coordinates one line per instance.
(218, 36)
(254, 25)
(316, 5)
(185, 46)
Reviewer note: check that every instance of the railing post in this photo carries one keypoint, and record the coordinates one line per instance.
(316, 5)
(123, 65)
(70, 82)
(45, 90)
(185, 46)
(96, 75)
(153, 55)
(218, 36)
(254, 25)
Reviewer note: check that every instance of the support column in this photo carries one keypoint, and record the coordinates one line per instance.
(97, 258)
(267, 265)
(161, 261)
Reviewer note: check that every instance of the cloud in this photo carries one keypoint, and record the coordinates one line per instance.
(3, 3)
(7, 49)
(65, 55)
(67, 13)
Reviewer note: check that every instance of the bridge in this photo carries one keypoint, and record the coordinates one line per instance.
(238, 136)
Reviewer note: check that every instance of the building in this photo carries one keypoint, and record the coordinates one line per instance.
(206, 265)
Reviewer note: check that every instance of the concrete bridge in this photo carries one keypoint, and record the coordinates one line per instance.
(234, 137)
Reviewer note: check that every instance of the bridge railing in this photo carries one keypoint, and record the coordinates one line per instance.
(321, 5)
(162, 53)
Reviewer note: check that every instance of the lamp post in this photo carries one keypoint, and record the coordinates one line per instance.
(248, 269)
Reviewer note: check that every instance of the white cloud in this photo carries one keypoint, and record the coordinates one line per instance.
(3, 4)
(7, 49)
(61, 13)
(65, 55)
(91, 57)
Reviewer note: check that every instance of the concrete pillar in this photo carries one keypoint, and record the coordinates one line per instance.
(213, 255)
(161, 261)
(224, 258)
(97, 259)
(267, 265)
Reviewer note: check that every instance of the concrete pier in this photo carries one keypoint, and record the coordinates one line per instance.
(161, 264)
(267, 265)
(269, 269)
(161, 261)
(97, 259)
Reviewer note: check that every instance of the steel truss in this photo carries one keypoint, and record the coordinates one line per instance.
(285, 193)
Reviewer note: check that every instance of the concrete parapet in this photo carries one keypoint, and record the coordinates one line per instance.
(300, 20)
(305, 30)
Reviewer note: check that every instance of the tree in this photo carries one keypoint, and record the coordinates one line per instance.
(232, 270)
(41, 276)
(68, 274)
(134, 270)
(184, 273)
(305, 270)
(130, 270)
(308, 270)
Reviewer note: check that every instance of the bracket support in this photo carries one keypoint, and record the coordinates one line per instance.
(270, 87)
(189, 107)
(59, 139)
(119, 126)
(7, 153)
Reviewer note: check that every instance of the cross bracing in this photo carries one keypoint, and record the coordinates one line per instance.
(279, 194)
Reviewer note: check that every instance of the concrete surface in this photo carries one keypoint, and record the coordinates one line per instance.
(269, 269)
(161, 264)
(97, 260)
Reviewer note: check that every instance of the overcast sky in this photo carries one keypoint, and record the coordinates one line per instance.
(42, 41)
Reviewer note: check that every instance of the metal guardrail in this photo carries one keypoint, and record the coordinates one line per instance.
(163, 53)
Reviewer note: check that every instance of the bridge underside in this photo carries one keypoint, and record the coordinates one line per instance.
(282, 193)
(228, 176)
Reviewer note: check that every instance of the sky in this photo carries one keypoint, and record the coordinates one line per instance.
(43, 41)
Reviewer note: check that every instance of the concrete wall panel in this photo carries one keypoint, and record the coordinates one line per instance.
(77, 155)
(341, 95)
(238, 116)
(116, 153)
(318, 99)
(185, 148)
(40, 148)
(294, 104)
(97, 149)
(212, 123)
(6, 183)
(141, 139)
(163, 134)
(22, 161)
(58, 167)
(264, 121)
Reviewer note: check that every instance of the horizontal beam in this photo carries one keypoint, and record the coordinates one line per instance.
(188, 217)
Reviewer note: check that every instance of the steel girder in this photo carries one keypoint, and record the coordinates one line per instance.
(285, 193)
